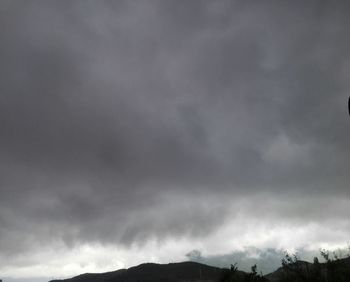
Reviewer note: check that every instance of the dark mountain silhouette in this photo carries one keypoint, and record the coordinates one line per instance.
(331, 271)
(151, 272)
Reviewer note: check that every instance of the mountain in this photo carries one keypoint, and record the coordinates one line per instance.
(151, 272)
(332, 271)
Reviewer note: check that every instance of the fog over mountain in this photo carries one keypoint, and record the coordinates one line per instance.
(138, 131)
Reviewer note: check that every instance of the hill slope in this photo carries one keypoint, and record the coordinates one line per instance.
(335, 271)
(151, 272)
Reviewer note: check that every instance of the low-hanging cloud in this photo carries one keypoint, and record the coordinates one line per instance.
(132, 121)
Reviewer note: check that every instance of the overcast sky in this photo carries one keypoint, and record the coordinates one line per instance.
(137, 131)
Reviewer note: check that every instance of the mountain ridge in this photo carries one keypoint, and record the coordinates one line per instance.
(172, 272)
(190, 271)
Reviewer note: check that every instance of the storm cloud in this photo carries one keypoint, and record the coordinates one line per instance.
(131, 121)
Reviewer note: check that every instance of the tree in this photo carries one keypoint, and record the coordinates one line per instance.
(231, 275)
(253, 276)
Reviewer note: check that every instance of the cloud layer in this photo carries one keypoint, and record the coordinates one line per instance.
(123, 123)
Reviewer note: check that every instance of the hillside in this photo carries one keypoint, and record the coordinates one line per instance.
(333, 271)
(172, 272)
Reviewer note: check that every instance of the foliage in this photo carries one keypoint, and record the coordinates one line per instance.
(335, 269)
(233, 275)
(253, 276)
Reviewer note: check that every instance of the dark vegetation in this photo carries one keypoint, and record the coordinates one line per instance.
(233, 275)
(335, 268)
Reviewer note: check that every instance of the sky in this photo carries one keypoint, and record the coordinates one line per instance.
(162, 131)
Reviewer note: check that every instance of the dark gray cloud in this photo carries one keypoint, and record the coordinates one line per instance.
(121, 122)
